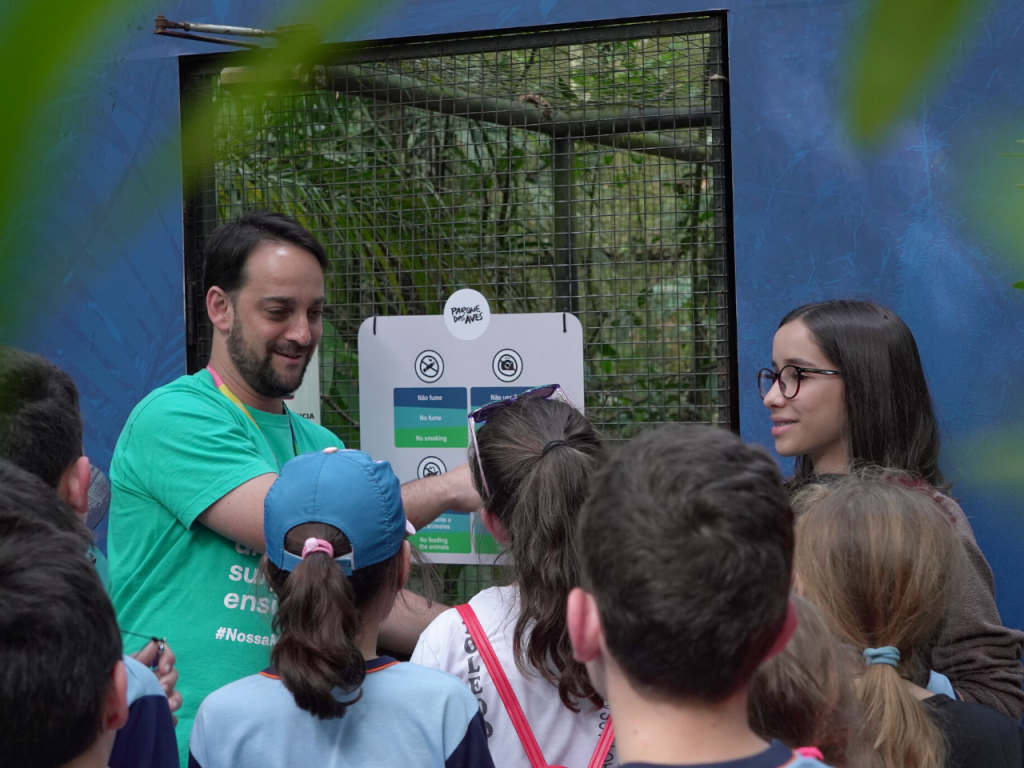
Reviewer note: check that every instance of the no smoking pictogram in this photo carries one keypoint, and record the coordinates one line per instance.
(429, 366)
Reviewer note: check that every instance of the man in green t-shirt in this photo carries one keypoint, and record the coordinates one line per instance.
(197, 457)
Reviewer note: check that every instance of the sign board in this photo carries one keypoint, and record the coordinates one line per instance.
(418, 382)
(305, 401)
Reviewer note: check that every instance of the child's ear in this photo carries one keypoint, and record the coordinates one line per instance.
(584, 624)
(405, 564)
(788, 628)
(73, 487)
(115, 704)
(494, 526)
(798, 585)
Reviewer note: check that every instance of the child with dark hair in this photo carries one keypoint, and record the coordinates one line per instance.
(804, 696)
(41, 433)
(847, 390)
(881, 562)
(686, 544)
(336, 560)
(532, 464)
(62, 679)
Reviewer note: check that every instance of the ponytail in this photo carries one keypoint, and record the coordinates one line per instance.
(902, 732)
(858, 554)
(319, 621)
(538, 457)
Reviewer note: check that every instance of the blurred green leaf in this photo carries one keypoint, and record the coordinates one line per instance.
(998, 459)
(1019, 284)
(899, 47)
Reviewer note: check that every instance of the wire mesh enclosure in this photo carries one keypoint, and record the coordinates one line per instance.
(581, 170)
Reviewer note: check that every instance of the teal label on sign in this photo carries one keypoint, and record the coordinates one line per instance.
(431, 417)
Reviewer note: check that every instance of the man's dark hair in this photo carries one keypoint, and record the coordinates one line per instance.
(686, 541)
(59, 640)
(40, 423)
(230, 245)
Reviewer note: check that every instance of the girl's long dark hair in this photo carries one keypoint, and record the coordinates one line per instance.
(889, 415)
(319, 618)
(536, 494)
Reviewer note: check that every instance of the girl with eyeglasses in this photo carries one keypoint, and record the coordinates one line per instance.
(532, 461)
(846, 389)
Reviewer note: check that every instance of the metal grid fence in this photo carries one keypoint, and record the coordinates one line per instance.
(581, 170)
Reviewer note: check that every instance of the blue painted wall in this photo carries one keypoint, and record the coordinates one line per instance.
(813, 218)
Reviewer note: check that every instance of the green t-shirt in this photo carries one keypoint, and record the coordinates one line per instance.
(184, 447)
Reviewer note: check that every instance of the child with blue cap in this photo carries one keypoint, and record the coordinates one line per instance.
(336, 560)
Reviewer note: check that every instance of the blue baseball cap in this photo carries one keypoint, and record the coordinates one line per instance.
(347, 489)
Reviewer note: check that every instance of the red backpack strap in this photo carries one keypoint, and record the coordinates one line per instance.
(604, 745)
(508, 696)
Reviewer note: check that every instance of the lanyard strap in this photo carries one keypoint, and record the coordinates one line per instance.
(218, 382)
(511, 702)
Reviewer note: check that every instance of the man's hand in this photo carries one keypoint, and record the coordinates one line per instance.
(165, 672)
(427, 498)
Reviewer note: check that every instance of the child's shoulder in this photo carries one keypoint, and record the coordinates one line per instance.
(415, 680)
(778, 755)
(239, 692)
(490, 606)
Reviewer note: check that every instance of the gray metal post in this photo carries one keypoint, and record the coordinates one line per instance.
(566, 285)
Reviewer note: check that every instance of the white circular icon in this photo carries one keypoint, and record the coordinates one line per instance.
(467, 314)
(507, 365)
(431, 466)
(429, 366)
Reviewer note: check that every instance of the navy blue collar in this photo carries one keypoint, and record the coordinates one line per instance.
(371, 666)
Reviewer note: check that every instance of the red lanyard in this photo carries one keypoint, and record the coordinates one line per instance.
(508, 698)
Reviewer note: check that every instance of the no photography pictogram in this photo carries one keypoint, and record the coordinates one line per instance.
(429, 366)
(507, 365)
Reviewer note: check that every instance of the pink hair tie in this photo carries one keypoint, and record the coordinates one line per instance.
(317, 545)
(810, 752)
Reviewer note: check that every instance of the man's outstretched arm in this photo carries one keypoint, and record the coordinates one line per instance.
(425, 499)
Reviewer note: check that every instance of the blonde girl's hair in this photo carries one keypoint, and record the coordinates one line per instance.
(804, 696)
(881, 561)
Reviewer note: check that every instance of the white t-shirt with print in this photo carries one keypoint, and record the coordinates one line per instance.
(565, 737)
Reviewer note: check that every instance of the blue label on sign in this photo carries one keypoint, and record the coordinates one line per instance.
(431, 397)
(481, 396)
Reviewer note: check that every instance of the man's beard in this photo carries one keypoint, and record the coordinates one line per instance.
(259, 372)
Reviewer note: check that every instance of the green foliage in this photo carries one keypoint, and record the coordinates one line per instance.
(413, 205)
(997, 459)
(899, 48)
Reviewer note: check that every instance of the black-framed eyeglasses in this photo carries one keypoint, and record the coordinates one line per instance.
(789, 378)
(480, 415)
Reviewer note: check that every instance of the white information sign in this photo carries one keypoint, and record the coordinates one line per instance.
(305, 401)
(419, 378)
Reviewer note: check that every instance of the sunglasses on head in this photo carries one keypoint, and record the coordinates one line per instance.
(481, 415)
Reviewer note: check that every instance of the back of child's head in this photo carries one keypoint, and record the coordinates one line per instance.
(59, 641)
(881, 561)
(27, 503)
(40, 422)
(804, 695)
(334, 525)
(538, 457)
(686, 542)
